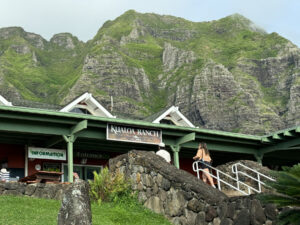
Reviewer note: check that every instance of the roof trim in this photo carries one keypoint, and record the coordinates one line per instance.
(173, 109)
(85, 97)
(280, 135)
(4, 101)
(126, 121)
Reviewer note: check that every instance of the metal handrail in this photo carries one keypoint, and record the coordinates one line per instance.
(219, 180)
(258, 174)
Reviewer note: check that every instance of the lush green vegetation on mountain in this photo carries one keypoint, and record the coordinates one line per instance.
(152, 61)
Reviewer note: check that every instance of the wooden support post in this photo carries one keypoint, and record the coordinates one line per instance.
(176, 149)
(70, 140)
(259, 158)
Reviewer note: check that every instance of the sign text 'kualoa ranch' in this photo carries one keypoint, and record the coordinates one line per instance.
(133, 134)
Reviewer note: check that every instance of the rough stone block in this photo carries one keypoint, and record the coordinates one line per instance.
(12, 192)
(142, 197)
(271, 211)
(243, 218)
(148, 192)
(11, 185)
(174, 203)
(200, 219)
(162, 195)
(190, 216)
(59, 194)
(165, 184)
(226, 221)
(216, 221)
(195, 205)
(76, 207)
(155, 204)
(30, 189)
(1, 187)
(38, 193)
(269, 222)
(222, 210)
(210, 214)
(231, 211)
(187, 195)
(159, 180)
(155, 189)
(257, 213)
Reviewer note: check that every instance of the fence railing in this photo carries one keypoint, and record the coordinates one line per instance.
(257, 175)
(235, 180)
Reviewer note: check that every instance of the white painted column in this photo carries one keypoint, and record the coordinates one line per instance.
(26, 160)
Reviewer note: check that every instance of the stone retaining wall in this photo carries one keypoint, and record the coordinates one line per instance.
(184, 199)
(38, 190)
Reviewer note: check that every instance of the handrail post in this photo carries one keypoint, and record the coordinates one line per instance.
(259, 186)
(218, 180)
(197, 168)
(237, 178)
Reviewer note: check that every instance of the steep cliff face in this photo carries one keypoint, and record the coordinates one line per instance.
(32, 68)
(226, 74)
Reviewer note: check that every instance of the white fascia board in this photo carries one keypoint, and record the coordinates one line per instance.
(90, 100)
(101, 108)
(71, 105)
(158, 119)
(4, 101)
(184, 118)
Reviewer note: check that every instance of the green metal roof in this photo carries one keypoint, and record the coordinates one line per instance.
(126, 121)
(20, 125)
(281, 134)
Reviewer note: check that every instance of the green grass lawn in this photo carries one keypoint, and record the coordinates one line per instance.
(26, 210)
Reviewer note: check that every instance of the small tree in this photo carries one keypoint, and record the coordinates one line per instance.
(108, 186)
(287, 187)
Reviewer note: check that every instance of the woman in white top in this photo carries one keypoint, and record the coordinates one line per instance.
(204, 156)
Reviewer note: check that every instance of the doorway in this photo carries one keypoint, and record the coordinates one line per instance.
(85, 172)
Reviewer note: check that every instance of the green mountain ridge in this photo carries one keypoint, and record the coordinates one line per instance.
(226, 74)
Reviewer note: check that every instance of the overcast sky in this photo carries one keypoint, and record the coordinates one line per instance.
(83, 18)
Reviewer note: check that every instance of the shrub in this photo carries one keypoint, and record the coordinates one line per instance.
(108, 186)
(287, 187)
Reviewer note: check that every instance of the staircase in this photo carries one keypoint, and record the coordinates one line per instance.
(234, 185)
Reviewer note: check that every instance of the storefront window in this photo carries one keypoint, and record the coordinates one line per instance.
(55, 167)
(84, 172)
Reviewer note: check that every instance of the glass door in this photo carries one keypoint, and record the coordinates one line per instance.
(89, 171)
(76, 169)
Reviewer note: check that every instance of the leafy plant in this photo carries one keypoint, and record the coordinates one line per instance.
(108, 186)
(287, 187)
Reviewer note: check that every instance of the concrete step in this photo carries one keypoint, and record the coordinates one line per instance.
(232, 193)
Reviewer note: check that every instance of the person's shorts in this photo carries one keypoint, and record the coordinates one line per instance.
(205, 164)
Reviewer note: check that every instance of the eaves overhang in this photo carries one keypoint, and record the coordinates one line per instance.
(65, 117)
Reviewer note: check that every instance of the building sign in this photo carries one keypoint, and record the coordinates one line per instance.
(46, 153)
(133, 134)
(90, 155)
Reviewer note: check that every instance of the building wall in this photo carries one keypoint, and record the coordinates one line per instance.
(14, 156)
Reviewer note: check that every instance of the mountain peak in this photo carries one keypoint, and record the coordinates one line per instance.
(8, 32)
(245, 23)
(66, 40)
